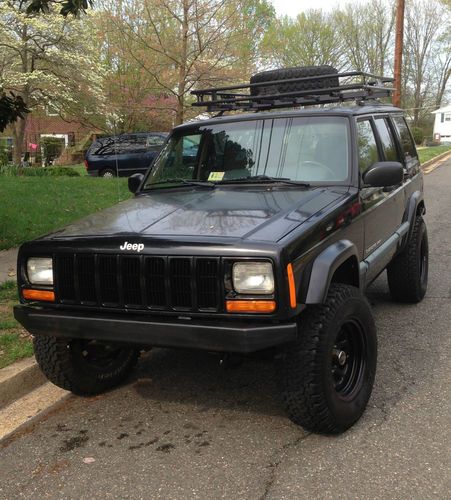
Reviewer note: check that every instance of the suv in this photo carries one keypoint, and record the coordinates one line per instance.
(264, 243)
(124, 154)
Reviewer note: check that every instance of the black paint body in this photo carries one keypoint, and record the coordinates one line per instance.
(346, 232)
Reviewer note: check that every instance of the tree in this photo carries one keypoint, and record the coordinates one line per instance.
(49, 61)
(366, 31)
(308, 40)
(422, 25)
(183, 44)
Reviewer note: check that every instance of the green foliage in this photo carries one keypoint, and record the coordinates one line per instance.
(12, 107)
(14, 171)
(309, 39)
(418, 135)
(3, 157)
(15, 343)
(73, 7)
(32, 206)
(426, 154)
(51, 147)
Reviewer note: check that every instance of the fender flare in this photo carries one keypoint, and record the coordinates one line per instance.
(324, 267)
(411, 211)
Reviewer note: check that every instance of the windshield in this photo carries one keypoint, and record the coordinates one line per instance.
(305, 149)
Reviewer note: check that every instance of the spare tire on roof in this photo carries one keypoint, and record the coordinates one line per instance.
(297, 72)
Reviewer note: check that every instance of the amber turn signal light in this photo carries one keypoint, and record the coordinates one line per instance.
(250, 306)
(291, 286)
(40, 295)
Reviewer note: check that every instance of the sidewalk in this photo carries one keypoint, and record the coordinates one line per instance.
(8, 261)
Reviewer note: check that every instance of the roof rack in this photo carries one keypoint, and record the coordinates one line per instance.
(357, 86)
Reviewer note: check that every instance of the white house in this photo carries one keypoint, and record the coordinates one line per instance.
(442, 124)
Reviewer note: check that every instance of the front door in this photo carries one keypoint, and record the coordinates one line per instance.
(382, 207)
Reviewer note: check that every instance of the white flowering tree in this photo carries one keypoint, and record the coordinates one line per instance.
(47, 59)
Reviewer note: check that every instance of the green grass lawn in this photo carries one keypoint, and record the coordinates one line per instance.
(15, 342)
(32, 206)
(427, 154)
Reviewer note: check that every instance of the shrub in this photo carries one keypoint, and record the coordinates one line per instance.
(14, 171)
(418, 135)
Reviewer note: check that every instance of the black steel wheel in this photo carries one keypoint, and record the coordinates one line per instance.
(408, 272)
(84, 366)
(348, 359)
(327, 375)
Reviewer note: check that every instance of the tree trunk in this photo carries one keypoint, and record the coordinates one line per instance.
(180, 113)
(18, 139)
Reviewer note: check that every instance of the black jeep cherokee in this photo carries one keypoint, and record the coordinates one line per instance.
(267, 240)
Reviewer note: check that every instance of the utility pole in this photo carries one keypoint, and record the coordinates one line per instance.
(398, 51)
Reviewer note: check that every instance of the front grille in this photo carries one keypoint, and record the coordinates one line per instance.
(138, 282)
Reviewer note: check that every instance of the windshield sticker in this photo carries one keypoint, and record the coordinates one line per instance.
(216, 176)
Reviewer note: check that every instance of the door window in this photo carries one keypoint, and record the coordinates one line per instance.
(407, 144)
(387, 140)
(368, 153)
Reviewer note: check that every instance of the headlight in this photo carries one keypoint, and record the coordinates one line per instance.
(253, 277)
(40, 271)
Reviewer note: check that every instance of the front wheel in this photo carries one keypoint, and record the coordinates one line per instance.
(83, 367)
(327, 374)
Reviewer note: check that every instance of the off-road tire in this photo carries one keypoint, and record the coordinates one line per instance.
(61, 362)
(297, 72)
(408, 272)
(107, 172)
(310, 392)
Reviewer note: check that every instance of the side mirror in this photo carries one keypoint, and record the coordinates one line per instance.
(384, 174)
(134, 181)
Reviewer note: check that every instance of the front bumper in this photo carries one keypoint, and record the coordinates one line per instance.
(230, 336)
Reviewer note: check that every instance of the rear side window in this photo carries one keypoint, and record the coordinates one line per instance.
(103, 146)
(407, 144)
(154, 141)
(368, 154)
(387, 140)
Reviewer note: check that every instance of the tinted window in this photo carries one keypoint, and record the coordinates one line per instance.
(122, 144)
(387, 139)
(368, 154)
(407, 144)
(103, 146)
(131, 144)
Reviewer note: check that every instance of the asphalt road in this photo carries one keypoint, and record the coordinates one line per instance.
(186, 428)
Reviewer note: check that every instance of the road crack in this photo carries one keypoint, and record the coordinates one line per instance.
(276, 460)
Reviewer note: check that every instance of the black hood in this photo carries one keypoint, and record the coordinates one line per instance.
(249, 213)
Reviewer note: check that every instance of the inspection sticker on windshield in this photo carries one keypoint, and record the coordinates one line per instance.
(216, 176)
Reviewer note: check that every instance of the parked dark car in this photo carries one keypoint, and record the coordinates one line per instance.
(123, 154)
(265, 240)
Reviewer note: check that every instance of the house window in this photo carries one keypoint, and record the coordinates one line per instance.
(447, 117)
(51, 110)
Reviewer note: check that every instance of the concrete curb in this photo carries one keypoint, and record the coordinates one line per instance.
(436, 159)
(19, 379)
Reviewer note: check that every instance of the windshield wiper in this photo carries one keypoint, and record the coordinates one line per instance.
(265, 178)
(185, 182)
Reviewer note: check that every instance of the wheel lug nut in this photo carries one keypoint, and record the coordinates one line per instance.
(341, 356)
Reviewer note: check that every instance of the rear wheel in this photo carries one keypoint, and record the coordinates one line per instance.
(83, 366)
(408, 272)
(108, 173)
(327, 375)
